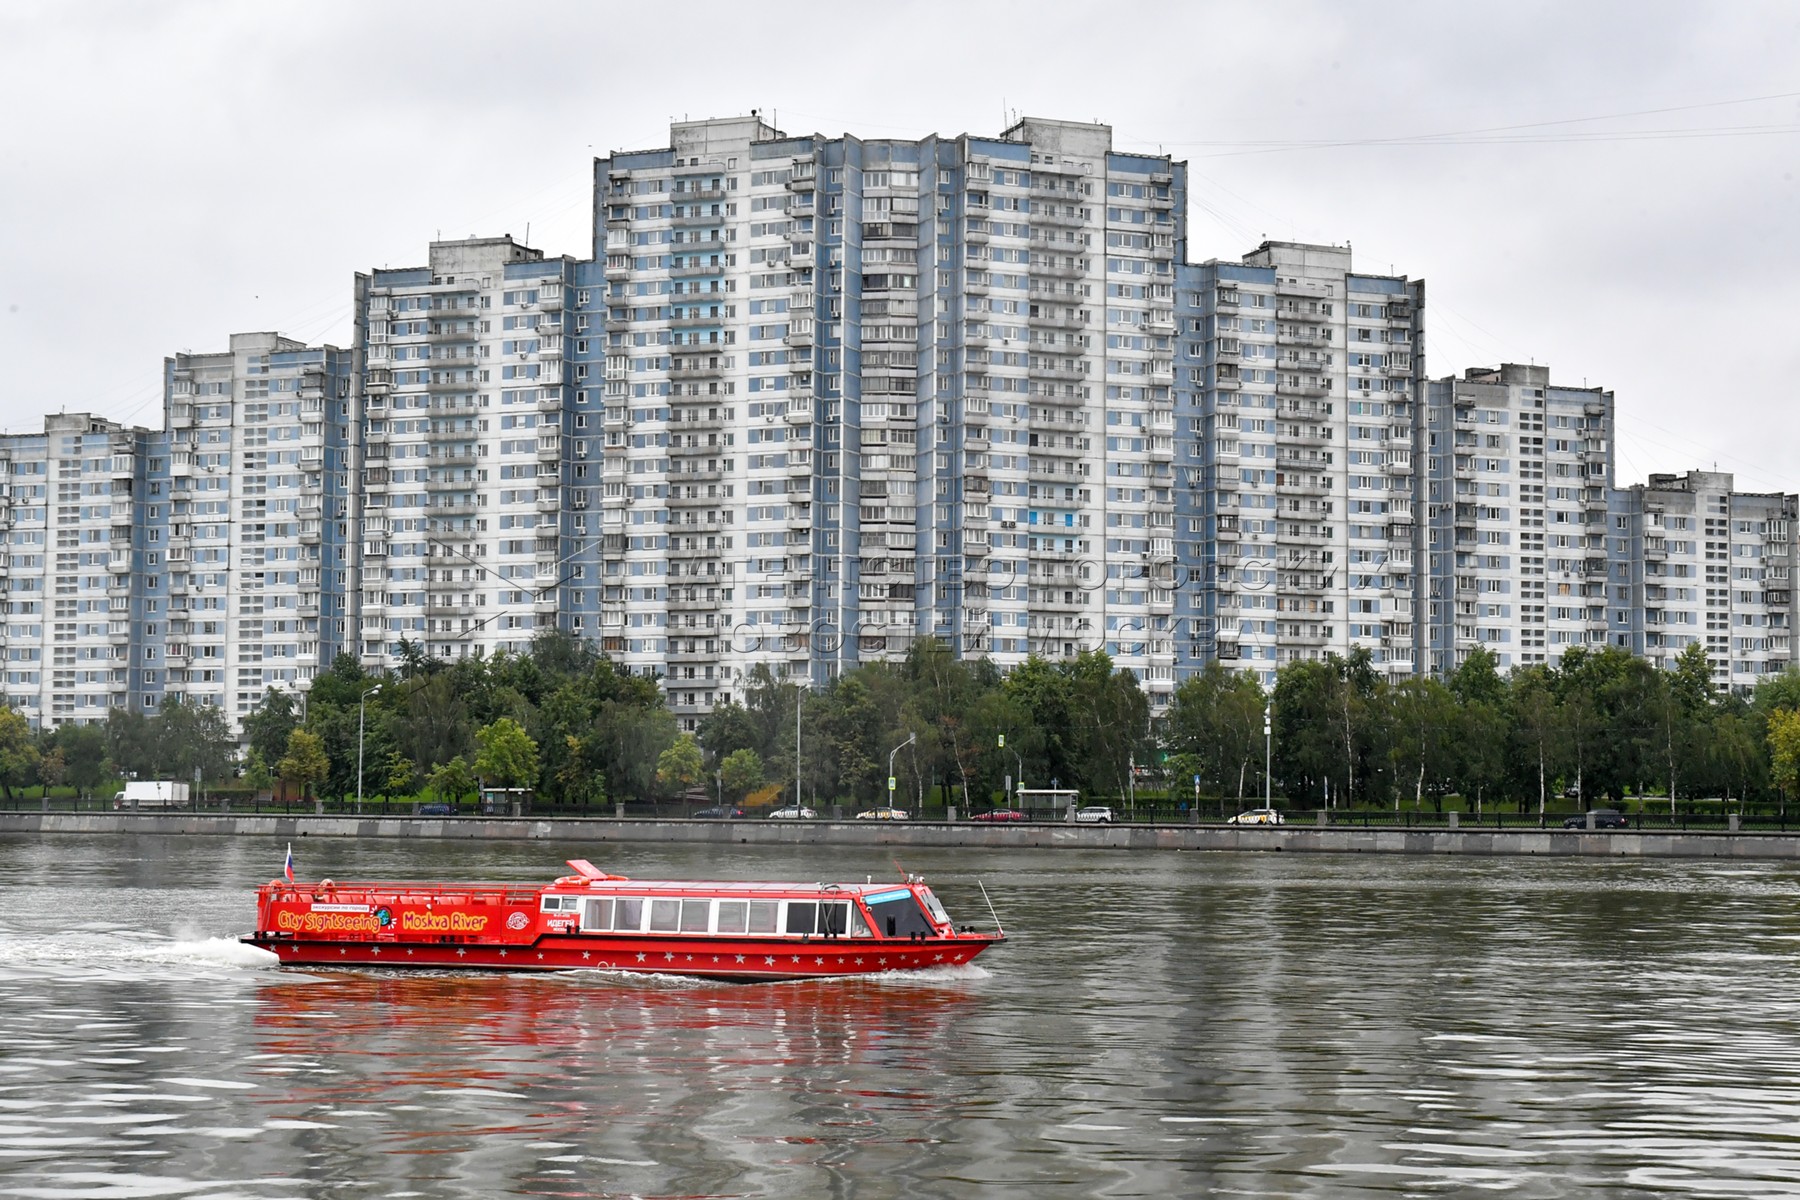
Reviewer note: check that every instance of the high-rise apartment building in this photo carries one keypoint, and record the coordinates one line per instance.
(460, 496)
(82, 572)
(856, 392)
(1520, 473)
(259, 525)
(814, 398)
(1693, 560)
(1299, 492)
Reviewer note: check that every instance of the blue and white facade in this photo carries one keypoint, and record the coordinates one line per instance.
(1692, 560)
(857, 392)
(258, 548)
(83, 578)
(1299, 426)
(1519, 486)
(812, 399)
(464, 413)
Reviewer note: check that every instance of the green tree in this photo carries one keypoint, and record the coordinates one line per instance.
(1537, 725)
(453, 780)
(680, 767)
(727, 728)
(398, 774)
(51, 769)
(257, 776)
(507, 755)
(1215, 721)
(1784, 749)
(84, 749)
(741, 772)
(18, 753)
(1424, 719)
(190, 737)
(267, 729)
(131, 743)
(305, 762)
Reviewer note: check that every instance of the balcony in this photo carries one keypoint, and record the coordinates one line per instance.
(694, 263)
(1047, 318)
(1305, 387)
(1060, 268)
(1058, 215)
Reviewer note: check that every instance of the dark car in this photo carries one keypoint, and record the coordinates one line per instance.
(437, 810)
(999, 814)
(1604, 818)
(719, 814)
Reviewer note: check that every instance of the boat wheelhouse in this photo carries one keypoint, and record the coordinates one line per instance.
(720, 930)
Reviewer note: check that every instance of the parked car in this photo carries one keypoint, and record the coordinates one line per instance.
(437, 810)
(1604, 818)
(1256, 816)
(719, 814)
(1094, 814)
(793, 812)
(882, 814)
(999, 814)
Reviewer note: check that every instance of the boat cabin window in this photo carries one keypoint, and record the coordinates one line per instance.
(561, 903)
(743, 916)
(694, 915)
(829, 918)
(597, 913)
(665, 916)
(897, 914)
(628, 913)
(634, 914)
(933, 907)
(801, 916)
(601, 914)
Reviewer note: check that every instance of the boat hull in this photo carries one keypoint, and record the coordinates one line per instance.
(739, 961)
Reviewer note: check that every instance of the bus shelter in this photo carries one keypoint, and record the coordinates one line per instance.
(1054, 801)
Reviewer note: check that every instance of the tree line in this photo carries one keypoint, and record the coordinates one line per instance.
(577, 730)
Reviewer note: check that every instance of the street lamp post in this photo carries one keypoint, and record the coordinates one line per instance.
(360, 717)
(1268, 754)
(1019, 779)
(910, 739)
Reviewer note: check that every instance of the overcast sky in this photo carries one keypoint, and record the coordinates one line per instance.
(1607, 188)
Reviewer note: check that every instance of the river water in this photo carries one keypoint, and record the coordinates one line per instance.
(1160, 1024)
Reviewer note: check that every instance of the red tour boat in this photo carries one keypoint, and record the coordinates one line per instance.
(735, 931)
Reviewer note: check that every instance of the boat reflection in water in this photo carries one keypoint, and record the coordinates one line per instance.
(597, 1067)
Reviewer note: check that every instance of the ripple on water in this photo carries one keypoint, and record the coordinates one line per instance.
(1160, 1025)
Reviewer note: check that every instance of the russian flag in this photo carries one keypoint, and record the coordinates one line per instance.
(288, 867)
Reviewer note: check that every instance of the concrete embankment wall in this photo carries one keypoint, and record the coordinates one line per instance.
(1294, 838)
